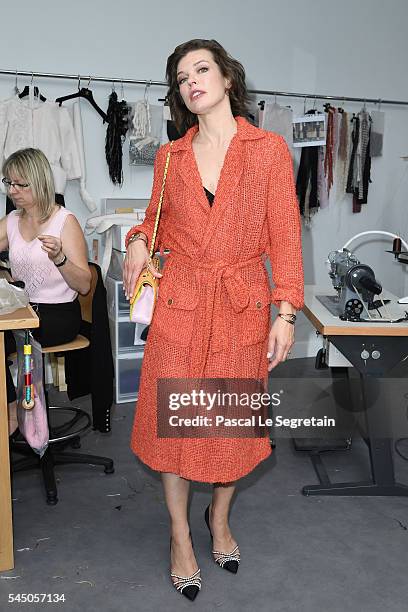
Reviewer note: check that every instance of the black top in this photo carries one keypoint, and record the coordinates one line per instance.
(210, 196)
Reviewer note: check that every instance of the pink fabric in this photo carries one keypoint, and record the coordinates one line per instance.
(29, 263)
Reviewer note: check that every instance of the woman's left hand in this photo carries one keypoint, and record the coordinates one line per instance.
(281, 338)
(51, 245)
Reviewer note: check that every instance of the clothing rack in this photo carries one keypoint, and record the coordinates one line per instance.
(148, 83)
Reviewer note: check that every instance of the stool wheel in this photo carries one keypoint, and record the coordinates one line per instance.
(109, 470)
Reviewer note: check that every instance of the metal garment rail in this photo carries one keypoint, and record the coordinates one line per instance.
(89, 78)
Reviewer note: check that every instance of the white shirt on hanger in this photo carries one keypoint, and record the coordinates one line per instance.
(42, 125)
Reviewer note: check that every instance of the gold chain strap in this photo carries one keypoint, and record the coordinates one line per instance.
(156, 223)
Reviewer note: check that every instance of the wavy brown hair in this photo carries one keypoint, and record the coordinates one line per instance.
(230, 68)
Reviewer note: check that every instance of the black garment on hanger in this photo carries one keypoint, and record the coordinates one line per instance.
(357, 201)
(118, 123)
(59, 199)
(90, 370)
(354, 140)
(307, 175)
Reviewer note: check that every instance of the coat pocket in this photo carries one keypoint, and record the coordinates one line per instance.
(254, 321)
(175, 311)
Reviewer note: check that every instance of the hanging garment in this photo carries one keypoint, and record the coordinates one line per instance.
(278, 119)
(260, 116)
(336, 137)
(169, 130)
(145, 133)
(77, 122)
(212, 317)
(91, 370)
(322, 191)
(306, 182)
(352, 174)
(330, 147)
(117, 115)
(377, 133)
(343, 154)
(360, 160)
(363, 151)
(41, 125)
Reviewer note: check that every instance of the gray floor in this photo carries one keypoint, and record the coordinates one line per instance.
(105, 544)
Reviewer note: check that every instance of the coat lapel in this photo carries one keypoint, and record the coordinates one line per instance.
(229, 178)
(188, 171)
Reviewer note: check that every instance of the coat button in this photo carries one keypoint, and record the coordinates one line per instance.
(170, 301)
(258, 304)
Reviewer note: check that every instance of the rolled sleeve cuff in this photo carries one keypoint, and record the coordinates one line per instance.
(286, 294)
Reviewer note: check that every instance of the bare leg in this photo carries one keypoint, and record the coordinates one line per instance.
(176, 491)
(219, 511)
(12, 417)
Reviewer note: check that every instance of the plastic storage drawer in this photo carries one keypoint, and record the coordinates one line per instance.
(128, 378)
(118, 306)
(129, 336)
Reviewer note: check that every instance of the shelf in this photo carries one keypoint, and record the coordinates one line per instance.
(127, 354)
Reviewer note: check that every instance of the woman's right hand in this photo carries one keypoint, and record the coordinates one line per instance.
(136, 259)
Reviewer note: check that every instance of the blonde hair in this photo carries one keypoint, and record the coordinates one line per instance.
(32, 166)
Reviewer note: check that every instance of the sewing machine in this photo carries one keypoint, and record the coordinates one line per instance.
(357, 286)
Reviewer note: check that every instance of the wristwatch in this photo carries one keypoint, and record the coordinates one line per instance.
(137, 236)
(61, 263)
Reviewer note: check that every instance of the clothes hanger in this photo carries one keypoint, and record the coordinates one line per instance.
(26, 90)
(84, 92)
(16, 89)
(340, 109)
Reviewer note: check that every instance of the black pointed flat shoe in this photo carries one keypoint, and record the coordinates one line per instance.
(189, 586)
(229, 561)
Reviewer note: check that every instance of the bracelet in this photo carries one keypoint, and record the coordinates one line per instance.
(61, 263)
(292, 317)
(137, 236)
(134, 231)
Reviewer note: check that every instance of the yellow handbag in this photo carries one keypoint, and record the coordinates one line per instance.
(145, 293)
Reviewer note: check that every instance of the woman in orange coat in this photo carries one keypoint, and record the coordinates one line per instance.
(212, 317)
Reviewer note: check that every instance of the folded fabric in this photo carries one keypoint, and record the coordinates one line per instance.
(103, 224)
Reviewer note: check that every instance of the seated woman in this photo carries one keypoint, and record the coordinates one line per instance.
(47, 251)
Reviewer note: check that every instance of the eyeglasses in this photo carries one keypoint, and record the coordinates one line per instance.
(9, 184)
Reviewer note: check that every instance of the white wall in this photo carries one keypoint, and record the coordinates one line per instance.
(329, 47)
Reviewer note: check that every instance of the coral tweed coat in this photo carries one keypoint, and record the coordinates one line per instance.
(212, 316)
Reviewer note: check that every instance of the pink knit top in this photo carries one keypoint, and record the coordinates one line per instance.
(29, 263)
